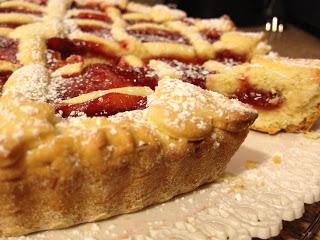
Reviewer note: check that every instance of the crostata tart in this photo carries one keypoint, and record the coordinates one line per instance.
(108, 106)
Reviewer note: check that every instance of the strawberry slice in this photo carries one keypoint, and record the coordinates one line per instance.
(105, 105)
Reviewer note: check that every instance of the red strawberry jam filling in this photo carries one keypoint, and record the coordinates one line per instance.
(60, 49)
(19, 10)
(95, 16)
(105, 105)
(8, 49)
(96, 30)
(192, 73)
(103, 77)
(68, 47)
(211, 35)
(258, 98)
(10, 24)
(3, 78)
(39, 2)
(136, 21)
(230, 57)
(56, 61)
(158, 35)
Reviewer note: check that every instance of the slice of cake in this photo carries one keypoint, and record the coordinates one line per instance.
(286, 92)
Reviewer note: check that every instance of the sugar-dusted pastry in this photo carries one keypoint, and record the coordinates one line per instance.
(87, 129)
(166, 142)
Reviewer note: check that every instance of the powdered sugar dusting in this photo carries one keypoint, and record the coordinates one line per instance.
(195, 97)
(183, 100)
(183, 110)
(30, 82)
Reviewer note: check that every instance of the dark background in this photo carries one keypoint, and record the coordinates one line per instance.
(303, 13)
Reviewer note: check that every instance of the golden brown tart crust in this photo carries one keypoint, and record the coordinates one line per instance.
(68, 171)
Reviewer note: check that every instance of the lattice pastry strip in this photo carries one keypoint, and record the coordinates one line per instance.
(158, 13)
(20, 45)
(17, 13)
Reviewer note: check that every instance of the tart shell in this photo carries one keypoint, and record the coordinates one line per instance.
(147, 175)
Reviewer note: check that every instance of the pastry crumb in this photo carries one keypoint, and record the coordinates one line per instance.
(251, 164)
(238, 186)
(225, 177)
(276, 159)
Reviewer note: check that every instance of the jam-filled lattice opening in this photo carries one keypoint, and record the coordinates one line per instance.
(210, 34)
(93, 16)
(106, 105)
(102, 77)
(137, 21)
(97, 77)
(10, 24)
(8, 49)
(230, 57)
(60, 50)
(19, 9)
(96, 30)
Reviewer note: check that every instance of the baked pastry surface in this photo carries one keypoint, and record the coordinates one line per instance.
(87, 130)
(286, 92)
(105, 107)
(85, 169)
